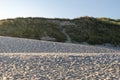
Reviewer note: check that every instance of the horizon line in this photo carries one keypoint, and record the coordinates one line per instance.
(55, 17)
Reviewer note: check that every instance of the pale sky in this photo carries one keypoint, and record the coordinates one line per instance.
(59, 8)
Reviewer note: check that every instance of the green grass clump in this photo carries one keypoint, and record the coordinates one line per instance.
(94, 31)
(33, 28)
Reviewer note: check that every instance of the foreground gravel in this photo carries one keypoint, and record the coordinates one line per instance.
(19, 45)
(60, 67)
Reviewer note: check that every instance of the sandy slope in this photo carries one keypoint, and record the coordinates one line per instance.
(19, 60)
(20, 45)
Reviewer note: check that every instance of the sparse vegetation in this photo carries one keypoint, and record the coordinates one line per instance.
(85, 29)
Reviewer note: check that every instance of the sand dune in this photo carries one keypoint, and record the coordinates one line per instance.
(21, 45)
